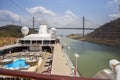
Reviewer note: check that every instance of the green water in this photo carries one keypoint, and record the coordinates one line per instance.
(93, 57)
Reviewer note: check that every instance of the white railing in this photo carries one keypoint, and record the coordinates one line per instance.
(71, 64)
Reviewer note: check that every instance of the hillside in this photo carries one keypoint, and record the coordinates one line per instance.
(11, 31)
(9, 34)
(108, 34)
(109, 30)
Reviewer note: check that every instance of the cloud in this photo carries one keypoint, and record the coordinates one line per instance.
(41, 13)
(116, 6)
(117, 1)
(40, 10)
(69, 13)
(115, 15)
(69, 19)
(112, 2)
(8, 17)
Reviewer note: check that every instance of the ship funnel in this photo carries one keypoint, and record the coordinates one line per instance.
(43, 29)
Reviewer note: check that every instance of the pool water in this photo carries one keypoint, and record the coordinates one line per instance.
(19, 63)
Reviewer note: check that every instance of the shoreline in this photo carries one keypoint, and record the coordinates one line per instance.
(102, 41)
(106, 42)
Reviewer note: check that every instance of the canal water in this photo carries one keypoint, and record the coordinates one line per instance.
(93, 57)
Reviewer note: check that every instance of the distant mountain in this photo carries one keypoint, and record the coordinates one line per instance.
(11, 31)
(108, 34)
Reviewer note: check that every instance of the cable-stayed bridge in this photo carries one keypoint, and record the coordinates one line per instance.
(83, 25)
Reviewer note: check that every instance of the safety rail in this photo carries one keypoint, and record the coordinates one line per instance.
(37, 76)
(71, 65)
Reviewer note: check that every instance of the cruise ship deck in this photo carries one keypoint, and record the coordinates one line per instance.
(42, 52)
(60, 64)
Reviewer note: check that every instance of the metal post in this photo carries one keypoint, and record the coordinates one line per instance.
(83, 26)
(20, 23)
(77, 56)
(69, 50)
(33, 24)
(76, 66)
(13, 19)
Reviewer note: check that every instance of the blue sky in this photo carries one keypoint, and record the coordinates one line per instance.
(60, 13)
(79, 7)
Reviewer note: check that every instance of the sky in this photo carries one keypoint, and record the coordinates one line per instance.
(58, 13)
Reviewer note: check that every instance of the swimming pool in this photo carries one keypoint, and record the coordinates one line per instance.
(17, 64)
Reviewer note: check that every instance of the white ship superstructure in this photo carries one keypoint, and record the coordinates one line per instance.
(42, 38)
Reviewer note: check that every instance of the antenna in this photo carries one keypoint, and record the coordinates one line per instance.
(13, 18)
(20, 23)
(33, 23)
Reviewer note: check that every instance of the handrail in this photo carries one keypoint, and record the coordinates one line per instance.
(38, 76)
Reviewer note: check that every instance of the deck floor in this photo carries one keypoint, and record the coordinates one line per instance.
(60, 65)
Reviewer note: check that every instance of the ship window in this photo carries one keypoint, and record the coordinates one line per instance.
(0, 52)
(39, 42)
(22, 42)
(33, 42)
(46, 42)
(27, 42)
(52, 42)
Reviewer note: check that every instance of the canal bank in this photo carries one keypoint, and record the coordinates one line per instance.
(93, 57)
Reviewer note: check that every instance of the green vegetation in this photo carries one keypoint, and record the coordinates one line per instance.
(9, 34)
(11, 31)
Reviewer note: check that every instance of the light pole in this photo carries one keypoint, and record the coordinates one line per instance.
(69, 49)
(76, 56)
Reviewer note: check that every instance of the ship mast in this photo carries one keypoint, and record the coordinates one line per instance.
(33, 24)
